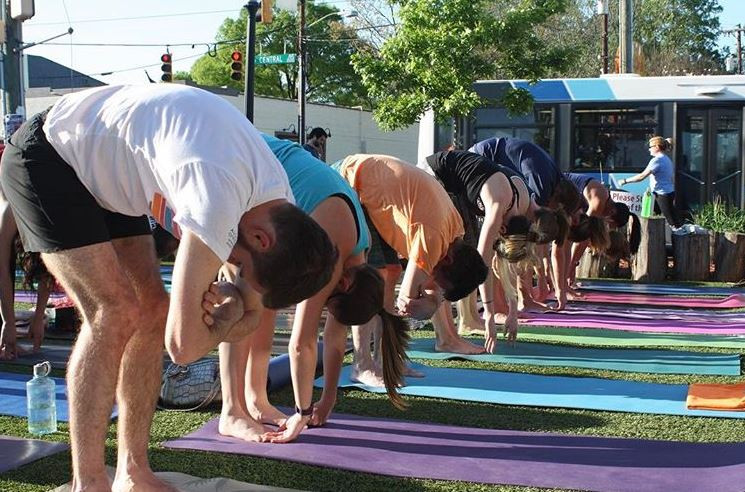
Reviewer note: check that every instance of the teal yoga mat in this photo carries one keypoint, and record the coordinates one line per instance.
(514, 388)
(599, 337)
(628, 360)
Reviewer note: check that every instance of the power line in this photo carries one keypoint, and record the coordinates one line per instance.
(116, 19)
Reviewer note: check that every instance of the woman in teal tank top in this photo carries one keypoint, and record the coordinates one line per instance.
(353, 297)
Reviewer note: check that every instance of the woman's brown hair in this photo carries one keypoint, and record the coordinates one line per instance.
(393, 344)
(593, 229)
(363, 299)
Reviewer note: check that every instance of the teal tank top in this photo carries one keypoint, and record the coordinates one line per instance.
(312, 181)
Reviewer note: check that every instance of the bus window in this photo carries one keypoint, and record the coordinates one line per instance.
(612, 138)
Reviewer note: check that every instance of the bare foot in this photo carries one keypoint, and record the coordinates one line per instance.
(141, 479)
(103, 483)
(459, 346)
(242, 427)
(266, 413)
(410, 372)
(472, 328)
(531, 306)
(367, 376)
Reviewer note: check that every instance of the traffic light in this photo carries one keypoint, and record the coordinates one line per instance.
(236, 65)
(167, 68)
(266, 11)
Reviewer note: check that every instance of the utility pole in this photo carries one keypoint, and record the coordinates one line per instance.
(301, 74)
(252, 6)
(625, 35)
(602, 11)
(737, 31)
(12, 82)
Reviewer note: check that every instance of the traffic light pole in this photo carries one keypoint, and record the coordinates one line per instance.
(301, 76)
(252, 6)
(12, 85)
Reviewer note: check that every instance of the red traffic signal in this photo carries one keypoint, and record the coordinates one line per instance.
(167, 67)
(236, 65)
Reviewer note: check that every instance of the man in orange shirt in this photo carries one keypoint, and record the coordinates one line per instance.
(411, 215)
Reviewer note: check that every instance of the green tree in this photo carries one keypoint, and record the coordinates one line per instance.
(329, 46)
(441, 47)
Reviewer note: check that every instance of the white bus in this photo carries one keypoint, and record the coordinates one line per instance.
(601, 126)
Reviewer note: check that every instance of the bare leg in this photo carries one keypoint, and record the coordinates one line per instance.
(448, 339)
(142, 362)
(257, 400)
(94, 279)
(468, 318)
(235, 420)
(36, 329)
(364, 368)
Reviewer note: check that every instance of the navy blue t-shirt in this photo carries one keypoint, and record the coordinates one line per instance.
(540, 172)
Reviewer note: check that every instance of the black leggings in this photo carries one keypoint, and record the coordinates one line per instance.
(666, 205)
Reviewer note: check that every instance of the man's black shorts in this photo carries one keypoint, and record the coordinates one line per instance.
(53, 209)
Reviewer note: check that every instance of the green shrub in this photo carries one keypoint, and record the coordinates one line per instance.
(721, 217)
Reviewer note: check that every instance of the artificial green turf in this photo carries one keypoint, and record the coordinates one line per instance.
(53, 471)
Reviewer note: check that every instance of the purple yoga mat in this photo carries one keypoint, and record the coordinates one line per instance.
(731, 302)
(16, 452)
(647, 325)
(431, 451)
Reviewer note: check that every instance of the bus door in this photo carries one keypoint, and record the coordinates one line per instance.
(709, 156)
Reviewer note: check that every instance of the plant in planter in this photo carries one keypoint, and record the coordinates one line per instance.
(727, 238)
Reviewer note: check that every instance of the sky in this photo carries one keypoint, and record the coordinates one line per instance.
(175, 23)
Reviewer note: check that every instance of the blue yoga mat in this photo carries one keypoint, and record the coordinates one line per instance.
(513, 388)
(663, 289)
(13, 396)
(628, 360)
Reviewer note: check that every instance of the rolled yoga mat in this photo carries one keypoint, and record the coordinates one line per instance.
(664, 289)
(646, 325)
(514, 388)
(731, 302)
(442, 452)
(16, 452)
(628, 360)
(13, 396)
(617, 338)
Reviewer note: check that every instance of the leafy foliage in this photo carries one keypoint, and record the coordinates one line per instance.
(442, 46)
(719, 216)
(329, 46)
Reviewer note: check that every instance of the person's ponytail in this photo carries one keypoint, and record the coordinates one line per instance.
(635, 234)
(394, 342)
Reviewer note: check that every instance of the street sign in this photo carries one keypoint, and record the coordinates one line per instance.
(275, 59)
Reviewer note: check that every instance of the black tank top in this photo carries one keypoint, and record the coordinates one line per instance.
(464, 173)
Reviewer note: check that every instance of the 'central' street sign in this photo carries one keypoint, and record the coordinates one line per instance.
(275, 59)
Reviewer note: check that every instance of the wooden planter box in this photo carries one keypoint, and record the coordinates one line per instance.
(729, 259)
(649, 264)
(596, 266)
(691, 256)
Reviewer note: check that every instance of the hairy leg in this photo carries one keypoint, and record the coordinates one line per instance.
(257, 375)
(142, 362)
(93, 277)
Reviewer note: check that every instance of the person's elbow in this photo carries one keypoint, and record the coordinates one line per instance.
(180, 351)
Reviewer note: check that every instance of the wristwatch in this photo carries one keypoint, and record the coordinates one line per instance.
(304, 412)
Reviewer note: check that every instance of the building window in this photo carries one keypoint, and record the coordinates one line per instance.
(612, 138)
(536, 127)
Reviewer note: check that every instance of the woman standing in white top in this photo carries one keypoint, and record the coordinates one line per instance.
(661, 172)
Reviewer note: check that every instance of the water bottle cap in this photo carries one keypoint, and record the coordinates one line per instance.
(42, 369)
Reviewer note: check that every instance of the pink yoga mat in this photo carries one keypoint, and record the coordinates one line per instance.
(731, 302)
(659, 313)
(648, 325)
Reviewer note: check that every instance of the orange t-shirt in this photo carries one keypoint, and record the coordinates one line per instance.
(410, 209)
